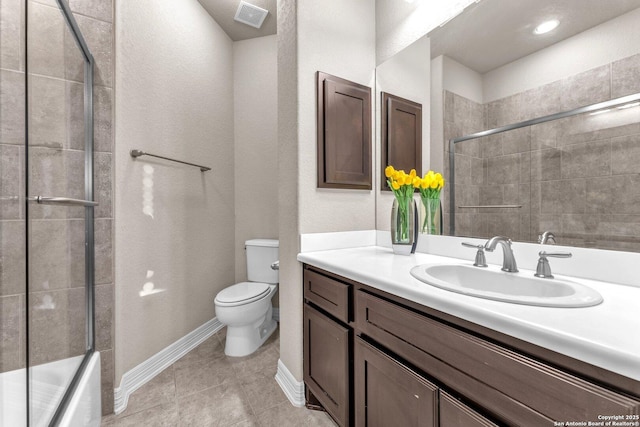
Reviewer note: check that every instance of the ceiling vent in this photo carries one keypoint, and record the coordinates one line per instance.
(250, 14)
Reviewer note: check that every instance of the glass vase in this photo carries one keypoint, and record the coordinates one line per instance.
(430, 216)
(404, 226)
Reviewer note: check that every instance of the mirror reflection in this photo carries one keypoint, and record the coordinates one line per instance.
(576, 177)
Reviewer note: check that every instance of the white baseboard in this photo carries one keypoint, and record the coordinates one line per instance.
(293, 389)
(147, 370)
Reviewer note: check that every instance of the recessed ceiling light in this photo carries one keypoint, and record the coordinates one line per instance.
(546, 26)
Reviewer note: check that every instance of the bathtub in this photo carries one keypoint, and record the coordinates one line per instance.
(49, 382)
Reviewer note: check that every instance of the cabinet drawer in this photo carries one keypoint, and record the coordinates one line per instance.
(389, 394)
(326, 363)
(329, 294)
(454, 413)
(484, 368)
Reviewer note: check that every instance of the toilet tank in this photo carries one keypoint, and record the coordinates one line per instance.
(261, 253)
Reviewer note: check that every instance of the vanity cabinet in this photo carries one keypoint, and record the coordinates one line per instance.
(414, 366)
(328, 345)
(388, 393)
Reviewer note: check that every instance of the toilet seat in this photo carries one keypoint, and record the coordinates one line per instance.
(242, 293)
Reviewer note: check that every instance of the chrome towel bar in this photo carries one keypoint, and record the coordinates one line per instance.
(490, 207)
(137, 153)
(66, 201)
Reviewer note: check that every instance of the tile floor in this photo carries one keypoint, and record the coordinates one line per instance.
(206, 388)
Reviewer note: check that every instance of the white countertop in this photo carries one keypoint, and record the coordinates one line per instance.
(606, 335)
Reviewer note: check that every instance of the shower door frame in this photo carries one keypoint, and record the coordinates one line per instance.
(89, 210)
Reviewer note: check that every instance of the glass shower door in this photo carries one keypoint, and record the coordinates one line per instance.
(13, 373)
(59, 212)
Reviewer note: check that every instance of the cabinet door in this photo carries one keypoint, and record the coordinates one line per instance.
(388, 393)
(401, 136)
(326, 363)
(344, 133)
(454, 413)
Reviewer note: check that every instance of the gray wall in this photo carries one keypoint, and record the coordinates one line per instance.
(338, 38)
(255, 100)
(175, 224)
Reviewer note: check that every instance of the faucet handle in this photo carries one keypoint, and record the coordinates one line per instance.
(544, 269)
(480, 260)
(555, 254)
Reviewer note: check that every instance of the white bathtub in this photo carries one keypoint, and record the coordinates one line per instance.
(49, 382)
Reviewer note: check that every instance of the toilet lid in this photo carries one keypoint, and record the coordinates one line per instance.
(242, 293)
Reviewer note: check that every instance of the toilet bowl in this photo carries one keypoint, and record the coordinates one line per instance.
(245, 308)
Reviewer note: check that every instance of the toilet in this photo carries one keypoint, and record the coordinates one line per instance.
(245, 308)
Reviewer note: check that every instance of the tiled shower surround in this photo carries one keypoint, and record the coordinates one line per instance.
(578, 177)
(56, 246)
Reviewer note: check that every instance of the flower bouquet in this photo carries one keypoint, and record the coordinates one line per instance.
(430, 187)
(404, 227)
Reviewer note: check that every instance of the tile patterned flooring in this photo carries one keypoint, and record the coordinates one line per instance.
(206, 388)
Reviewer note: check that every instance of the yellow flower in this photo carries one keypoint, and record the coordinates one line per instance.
(412, 173)
(395, 185)
(416, 182)
(388, 171)
(427, 181)
(424, 184)
(434, 184)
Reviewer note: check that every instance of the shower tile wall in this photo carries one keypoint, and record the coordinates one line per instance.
(12, 223)
(57, 168)
(577, 177)
(463, 117)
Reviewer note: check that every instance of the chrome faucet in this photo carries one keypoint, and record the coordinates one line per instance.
(544, 270)
(508, 261)
(547, 237)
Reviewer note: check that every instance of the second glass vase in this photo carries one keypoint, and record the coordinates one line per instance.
(430, 216)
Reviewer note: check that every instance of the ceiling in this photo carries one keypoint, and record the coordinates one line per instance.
(223, 12)
(493, 33)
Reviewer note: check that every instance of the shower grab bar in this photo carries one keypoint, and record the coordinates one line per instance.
(66, 201)
(490, 207)
(137, 153)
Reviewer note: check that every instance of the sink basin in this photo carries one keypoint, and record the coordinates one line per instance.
(518, 288)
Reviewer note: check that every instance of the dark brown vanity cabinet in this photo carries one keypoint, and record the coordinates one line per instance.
(389, 394)
(414, 366)
(328, 344)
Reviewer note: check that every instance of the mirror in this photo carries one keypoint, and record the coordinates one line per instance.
(405, 75)
(576, 176)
